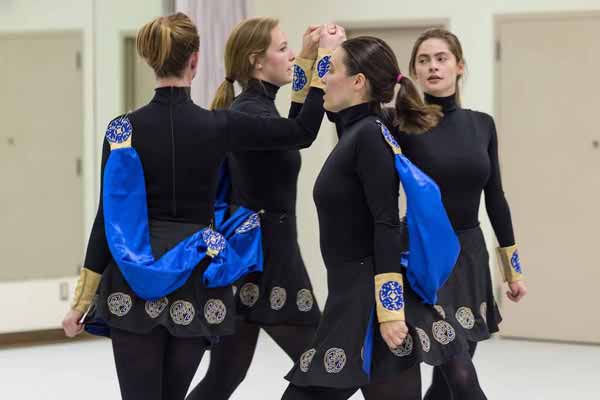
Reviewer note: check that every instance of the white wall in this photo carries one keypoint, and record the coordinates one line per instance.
(101, 23)
(471, 20)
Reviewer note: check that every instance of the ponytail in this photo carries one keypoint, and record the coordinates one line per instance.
(412, 114)
(224, 96)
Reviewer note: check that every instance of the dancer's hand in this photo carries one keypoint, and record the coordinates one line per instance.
(393, 333)
(332, 36)
(71, 323)
(310, 42)
(518, 290)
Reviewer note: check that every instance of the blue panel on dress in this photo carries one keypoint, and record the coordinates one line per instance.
(391, 296)
(300, 79)
(119, 130)
(516, 262)
(323, 66)
(128, 236)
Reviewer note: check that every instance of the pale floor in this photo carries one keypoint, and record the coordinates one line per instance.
(508, 369)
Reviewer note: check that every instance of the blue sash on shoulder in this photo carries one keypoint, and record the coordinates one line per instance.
(433, 246)
(235, 251)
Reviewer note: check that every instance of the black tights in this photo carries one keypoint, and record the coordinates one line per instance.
(156, 366)
(406, 387)
(456, 379)
(226, 372)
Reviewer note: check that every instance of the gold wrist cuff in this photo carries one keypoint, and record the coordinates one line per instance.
(389, 296)
(321, 68)
(303, 68)
(510, 264)
(85, 290)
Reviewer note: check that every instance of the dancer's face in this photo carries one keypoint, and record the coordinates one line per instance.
(341, 90)
(276, 65)
(437, 69)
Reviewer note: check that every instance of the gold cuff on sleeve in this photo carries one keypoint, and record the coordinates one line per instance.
(321, 68)
(510, 264)
(389, 296)
(85, 290)
(303, 68)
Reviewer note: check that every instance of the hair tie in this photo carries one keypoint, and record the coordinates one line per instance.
(228, 79)
(399, 77)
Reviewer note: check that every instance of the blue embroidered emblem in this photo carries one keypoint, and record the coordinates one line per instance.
(388, 136)
(516, 262)
(323, 66)
(251, 223)
(391, 296)
(119, 130)
(214, 241)
(300, 79)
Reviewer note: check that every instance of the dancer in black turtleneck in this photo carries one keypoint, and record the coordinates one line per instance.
(461, 155)
(279, 300)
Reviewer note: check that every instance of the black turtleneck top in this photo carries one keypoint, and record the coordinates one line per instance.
(264, 179)
(356, 194)
(461, 155)
(182, 146)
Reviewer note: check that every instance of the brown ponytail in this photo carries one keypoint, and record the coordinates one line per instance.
(250, 37)
(166, 43)
(375, 59)
(412, 113)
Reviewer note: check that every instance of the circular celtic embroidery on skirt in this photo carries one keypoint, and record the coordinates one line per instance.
(516, 262)
(214, 240)
(443, 332)
(182, 312)
(405, 348)
(335, 360)
(323, 66)
(425, 342)
(440, 310)
(483, 311)
(251, 223)
(119, 130)
(215, 311)
(300, 79)
(306, 359)
(278, 297)
(156, 307)
(391, 296)
(304, 300)
(249, 294)
(465, 317)
(119, 303)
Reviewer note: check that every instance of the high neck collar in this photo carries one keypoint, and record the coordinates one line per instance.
(262, 88)
(350, 115)
(448, 103)
(172, 94)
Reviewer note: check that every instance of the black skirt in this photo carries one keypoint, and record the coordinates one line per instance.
(282, 294)
(465, 312)
(190, 311)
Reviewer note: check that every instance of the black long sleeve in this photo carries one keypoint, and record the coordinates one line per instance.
(377, 173)
(98, 255)
(245, 132)
(495, 200)
(356, 194)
